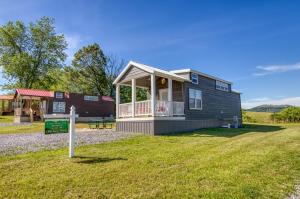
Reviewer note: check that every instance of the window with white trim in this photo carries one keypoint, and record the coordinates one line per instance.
(194, 78)
(195, 99)
(222, 86)
(59, 95)
(59, 107)
(91, 98)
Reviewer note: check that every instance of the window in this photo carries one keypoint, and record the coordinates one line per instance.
(195, 99)
(222, 86)
(91, 98)
(59, 95)
(59, 107)
(194, 78)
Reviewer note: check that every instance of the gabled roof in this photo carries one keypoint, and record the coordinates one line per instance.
(188, 70)
(35, 93)
(151, 70)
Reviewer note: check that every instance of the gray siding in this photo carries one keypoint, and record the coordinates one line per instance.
(216, 104)
(133, 72)
(160, 127)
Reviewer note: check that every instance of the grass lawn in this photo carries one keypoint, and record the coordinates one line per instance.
(32, 128)
(254, 162)
(6, 119)
(260, 117)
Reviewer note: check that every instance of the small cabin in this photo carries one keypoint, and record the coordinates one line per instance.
(176, 101)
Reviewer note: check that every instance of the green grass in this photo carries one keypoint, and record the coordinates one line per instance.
(6, 119)
(260, 117)
(254, 162)
(32, 128)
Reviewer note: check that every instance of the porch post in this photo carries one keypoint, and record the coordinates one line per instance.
(133, 96)
(153, 94)
(170, 96)
(117, 100)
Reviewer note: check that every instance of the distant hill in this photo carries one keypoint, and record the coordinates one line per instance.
(268, 108)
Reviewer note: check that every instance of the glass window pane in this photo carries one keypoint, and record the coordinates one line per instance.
(198, 94)
(191, 103)
(191, 93)
(198, 103)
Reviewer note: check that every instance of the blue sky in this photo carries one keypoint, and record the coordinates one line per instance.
(255, 44)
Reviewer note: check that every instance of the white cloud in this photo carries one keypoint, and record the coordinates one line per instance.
(74, 42)
(294, 101)
(270, 69)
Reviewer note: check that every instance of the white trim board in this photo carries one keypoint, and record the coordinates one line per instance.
(148, 118)
(150, 70)
(199, 73)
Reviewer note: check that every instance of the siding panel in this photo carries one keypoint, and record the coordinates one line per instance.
(216, 104)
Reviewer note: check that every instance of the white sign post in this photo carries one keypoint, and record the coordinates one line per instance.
(72, 132)
(71, 118)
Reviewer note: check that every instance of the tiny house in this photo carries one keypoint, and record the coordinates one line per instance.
(180, 100)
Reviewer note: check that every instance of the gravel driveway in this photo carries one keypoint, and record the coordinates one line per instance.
(296, 194)
(29, 142)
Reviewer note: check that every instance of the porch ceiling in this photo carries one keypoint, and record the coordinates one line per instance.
(124, 75)
(141, 82)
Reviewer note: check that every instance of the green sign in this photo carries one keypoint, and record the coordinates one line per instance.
(56, 126)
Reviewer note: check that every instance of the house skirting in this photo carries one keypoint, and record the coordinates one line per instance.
(160, 127)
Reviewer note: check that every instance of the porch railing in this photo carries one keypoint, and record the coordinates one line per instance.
(178, 108)
(125, 110)
(143, 108)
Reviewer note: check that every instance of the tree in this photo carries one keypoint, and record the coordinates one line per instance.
(112, 70)
(290, 114)
(88, 70)
(30, 54)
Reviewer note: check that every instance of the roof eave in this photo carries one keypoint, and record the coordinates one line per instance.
(150, 71)
(131, 63)
(199, 73)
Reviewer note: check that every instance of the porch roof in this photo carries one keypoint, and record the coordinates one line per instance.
(35, 93)
(150, 70)
(6, 97)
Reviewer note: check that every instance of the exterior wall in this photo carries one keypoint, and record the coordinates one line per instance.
(216, 104)
(133, 72)
(178, 91)
(161, 127)
(84, 108)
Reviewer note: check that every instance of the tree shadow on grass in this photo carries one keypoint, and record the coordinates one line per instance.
(95, 160)
(226, 132)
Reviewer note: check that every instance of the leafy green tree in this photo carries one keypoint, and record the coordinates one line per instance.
(290, 114)
(125, 94)
(248, 118)
(30, 54)
(88, 70)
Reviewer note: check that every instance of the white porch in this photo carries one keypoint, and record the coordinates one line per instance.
(144, 109)
(165, 95)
